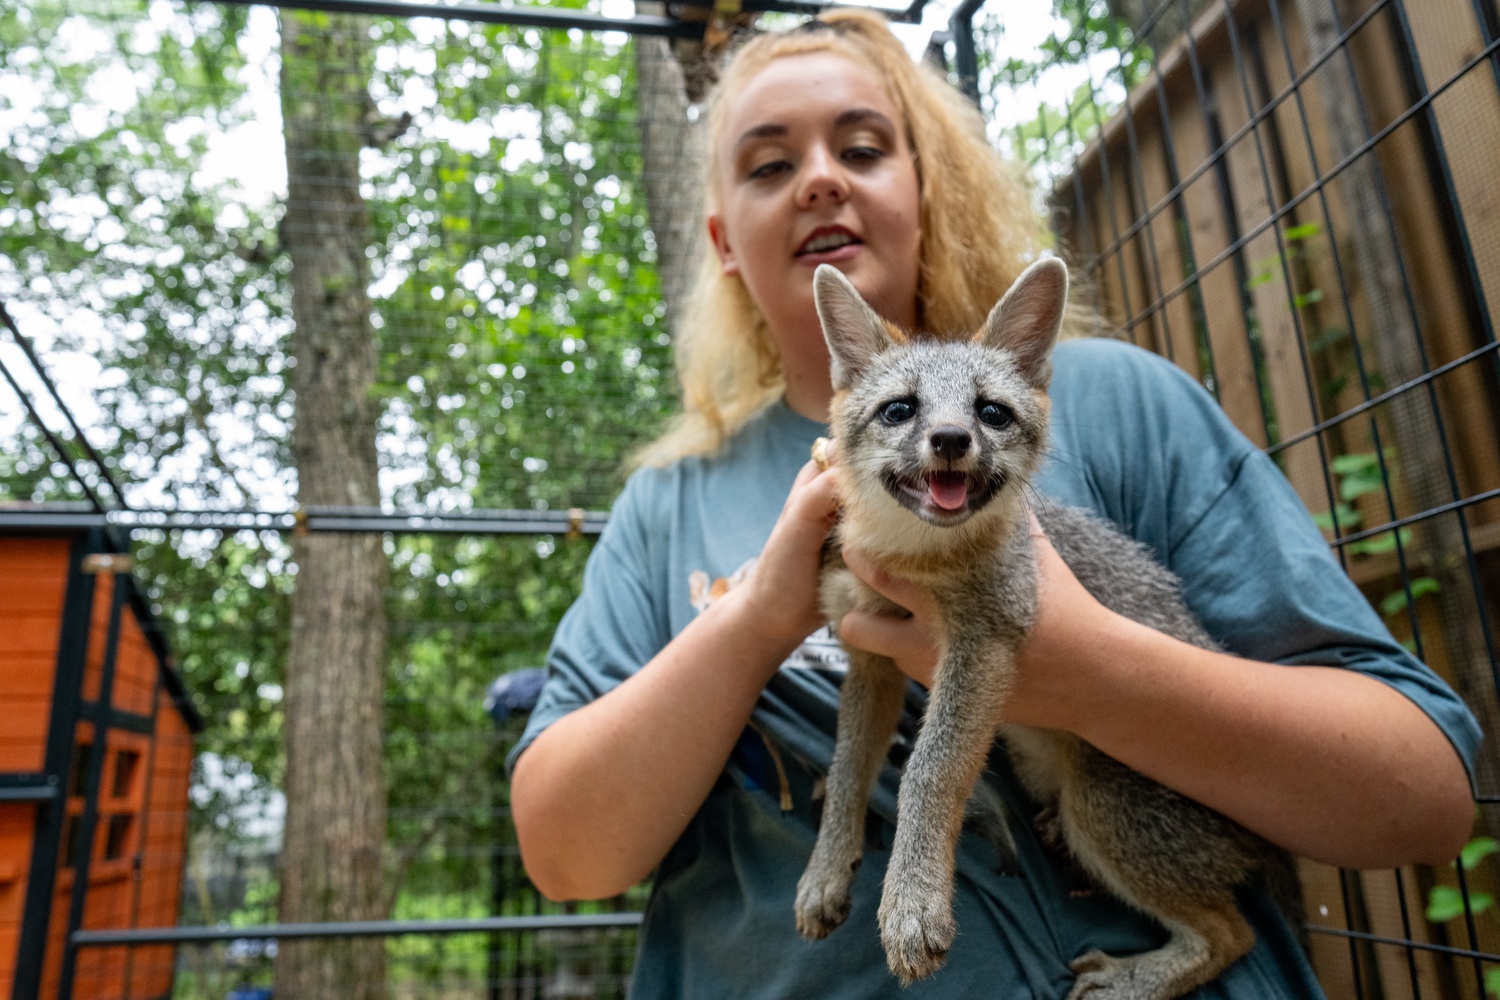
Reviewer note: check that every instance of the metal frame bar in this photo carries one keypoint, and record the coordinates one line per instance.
(34, 787)
(351, 928)
(24, 342)
(52, 439)
(1441, 949)
(965, 57)
(557, 19)
(313, 519)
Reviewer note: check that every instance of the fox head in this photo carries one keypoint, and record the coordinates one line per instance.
(946, 432)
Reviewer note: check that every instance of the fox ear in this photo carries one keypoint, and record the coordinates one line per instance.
(1025, 322)
(855, 332)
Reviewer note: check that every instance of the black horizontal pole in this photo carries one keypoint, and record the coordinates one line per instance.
(1447, 508)
(1443, 949)
(352, 928)
(491, 13)
(313, 519)
(529, 16)
(28, 793)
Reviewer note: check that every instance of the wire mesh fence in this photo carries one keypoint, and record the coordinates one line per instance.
(1293, 201)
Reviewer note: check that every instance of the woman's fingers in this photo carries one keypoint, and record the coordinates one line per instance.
(908, 641)
(911, 596)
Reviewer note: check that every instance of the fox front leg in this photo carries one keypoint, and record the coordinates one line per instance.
(869, 707)
(916, 907)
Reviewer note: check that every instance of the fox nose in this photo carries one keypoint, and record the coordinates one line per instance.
(950, 443)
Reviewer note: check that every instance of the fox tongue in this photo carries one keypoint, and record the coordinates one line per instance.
(948, 490)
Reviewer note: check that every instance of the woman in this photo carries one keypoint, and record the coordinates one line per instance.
(828, 145)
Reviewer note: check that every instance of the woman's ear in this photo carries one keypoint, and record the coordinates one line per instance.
(720, 240)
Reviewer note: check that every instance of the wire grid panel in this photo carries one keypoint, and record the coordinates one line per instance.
(515, 306)
(1290, 204)
(531, 965)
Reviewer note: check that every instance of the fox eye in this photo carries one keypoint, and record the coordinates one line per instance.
(995, 415)
(898, 411)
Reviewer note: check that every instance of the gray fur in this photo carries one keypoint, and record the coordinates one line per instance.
(1160, 852)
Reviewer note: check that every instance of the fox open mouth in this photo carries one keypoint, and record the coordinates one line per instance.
(944, 497)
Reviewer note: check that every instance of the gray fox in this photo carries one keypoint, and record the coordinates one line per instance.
(937, 443)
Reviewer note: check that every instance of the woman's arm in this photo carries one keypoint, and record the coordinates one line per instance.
(1326, 762)
(605, 791)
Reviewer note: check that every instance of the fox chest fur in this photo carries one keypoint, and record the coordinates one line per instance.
(938, 443)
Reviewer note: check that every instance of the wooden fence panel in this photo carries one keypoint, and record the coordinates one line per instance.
(1174, 315)
(1256, 200)
(1223, 310)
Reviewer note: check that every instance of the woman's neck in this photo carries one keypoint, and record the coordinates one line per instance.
(809, 394)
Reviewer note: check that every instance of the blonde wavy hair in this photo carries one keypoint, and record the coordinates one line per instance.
(980, 228)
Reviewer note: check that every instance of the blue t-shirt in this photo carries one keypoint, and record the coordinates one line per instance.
(1132, 439)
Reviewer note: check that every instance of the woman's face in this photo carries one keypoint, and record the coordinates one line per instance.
(815, 169)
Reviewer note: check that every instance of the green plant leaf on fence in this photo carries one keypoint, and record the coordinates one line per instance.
(1309, 297)
(1329, 337)
(1355, 486)
(1445, 902)
(1476, 851)
(1379, 545)
(1359, 461)
(1346, 516)
(1492, 982)
(1360, 472)
(1395, 603)
(1306, 230)
(1259, 278)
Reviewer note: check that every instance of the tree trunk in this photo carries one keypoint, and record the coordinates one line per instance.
(673, 152)
(332, 857)
(1437, 548)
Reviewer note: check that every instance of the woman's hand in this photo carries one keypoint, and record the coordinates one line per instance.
(782, 589)
(1068, 618)
(912, 639)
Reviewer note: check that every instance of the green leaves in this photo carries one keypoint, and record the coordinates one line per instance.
(1476, 851)
(1396, 602)
(1380, 544)
(1360, 473)
(1445, 902)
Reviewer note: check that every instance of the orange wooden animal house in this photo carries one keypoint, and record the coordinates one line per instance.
(95, 749)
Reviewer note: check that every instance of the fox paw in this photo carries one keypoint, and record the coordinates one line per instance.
(1104, 977)
(822, 905)
(917, 930)
(1049, 829)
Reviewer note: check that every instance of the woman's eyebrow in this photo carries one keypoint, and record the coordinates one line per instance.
(856, 116)
(768, 130)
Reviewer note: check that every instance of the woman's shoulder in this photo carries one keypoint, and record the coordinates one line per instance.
(1111, 391)
(1120, 369)
(750, 473)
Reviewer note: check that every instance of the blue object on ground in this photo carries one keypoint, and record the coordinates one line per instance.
(514, 693)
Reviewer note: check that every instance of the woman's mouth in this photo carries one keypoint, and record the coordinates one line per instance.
(827, 245)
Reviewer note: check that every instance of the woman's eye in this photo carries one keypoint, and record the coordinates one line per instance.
(898, 411)
(770, 169)
(995, 414)
(863, 154)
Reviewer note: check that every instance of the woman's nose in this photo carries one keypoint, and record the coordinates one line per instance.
(822, 181)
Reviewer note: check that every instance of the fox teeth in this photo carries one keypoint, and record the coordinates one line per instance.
(830, 242)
